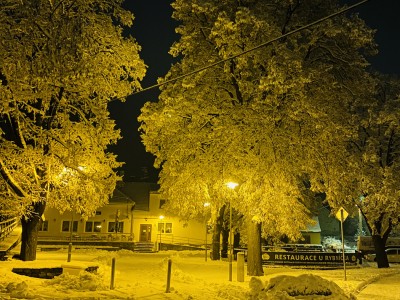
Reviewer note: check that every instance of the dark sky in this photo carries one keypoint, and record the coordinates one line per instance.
(154, 30)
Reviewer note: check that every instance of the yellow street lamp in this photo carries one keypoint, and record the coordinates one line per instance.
(232, 186)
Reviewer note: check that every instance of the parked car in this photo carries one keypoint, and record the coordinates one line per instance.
(393, 255)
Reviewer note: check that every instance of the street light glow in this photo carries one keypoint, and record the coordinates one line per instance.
(231, 184)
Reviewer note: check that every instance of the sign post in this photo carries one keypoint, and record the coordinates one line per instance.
(342, 214)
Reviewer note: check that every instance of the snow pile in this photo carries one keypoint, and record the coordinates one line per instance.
(334, 244)
(104, 256)
(305, 286)
(84, 282)
(18, 290)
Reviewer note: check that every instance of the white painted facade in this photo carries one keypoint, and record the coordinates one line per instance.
(138, 223)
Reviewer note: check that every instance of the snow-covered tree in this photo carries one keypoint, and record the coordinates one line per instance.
(370, 178)
(267, 119)
(61, 62)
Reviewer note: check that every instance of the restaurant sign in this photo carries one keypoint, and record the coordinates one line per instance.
(309, 258)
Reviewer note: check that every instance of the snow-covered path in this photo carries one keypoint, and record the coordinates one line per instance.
(385, 288)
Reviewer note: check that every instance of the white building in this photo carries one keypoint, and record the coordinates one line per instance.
(134, 215)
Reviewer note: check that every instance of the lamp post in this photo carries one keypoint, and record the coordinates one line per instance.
(205, 224)
(232, 186)
(161, 229)
(70, 237)
(132, 209)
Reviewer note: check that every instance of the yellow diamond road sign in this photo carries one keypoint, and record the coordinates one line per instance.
(339, 214)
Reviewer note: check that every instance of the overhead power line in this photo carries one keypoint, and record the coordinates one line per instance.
(252, 49)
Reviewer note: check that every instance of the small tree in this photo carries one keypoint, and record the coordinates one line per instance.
(61, 62)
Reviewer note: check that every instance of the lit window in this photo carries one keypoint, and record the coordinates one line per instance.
(92, 226)
(97, 227)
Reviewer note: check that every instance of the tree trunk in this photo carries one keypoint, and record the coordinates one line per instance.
(215, 242)
(225, 242)
(236, 244)
(254, 259)
(381, 256)
(30, 229)
(215, 253)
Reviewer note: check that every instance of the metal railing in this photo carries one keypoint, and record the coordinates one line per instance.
(7, 226)
(167, 238)
(111, 237)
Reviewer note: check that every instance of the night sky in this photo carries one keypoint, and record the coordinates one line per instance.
(154, 30)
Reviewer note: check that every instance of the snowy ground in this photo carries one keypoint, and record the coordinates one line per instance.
(144, 276)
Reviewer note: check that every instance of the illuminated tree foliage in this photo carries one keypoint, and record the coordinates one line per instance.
(267, 119)
(371, 176)
(61, 62)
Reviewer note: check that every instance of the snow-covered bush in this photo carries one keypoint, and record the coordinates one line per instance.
(19, 290)
(295, 287)
(85, 281)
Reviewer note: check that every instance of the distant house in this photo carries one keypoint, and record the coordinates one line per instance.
(312, 234)
(134, 214)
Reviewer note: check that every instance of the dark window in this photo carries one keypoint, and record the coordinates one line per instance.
(116, 227)
(89, 227)
(75, 226)
(98, 213)
(44, 226)
(307, 239)
(165, 227)
(161, 227)
(168, 227)
(66, 226)
(162, 202)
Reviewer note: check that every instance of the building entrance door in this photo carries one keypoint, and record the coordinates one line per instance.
(145, 233)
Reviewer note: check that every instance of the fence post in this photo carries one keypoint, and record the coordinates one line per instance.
(240, 266)
(112, 273)
(169, 276)
(69, 252)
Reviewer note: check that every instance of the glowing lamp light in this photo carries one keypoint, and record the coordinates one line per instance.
(207, 204)
(232, 185)
(161, 217)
